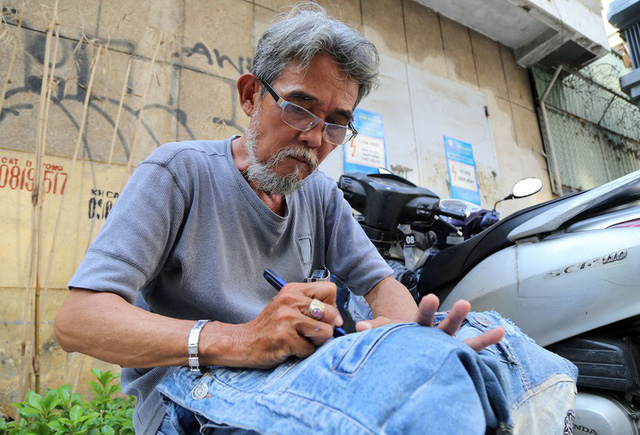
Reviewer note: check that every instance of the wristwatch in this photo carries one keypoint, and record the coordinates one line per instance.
(194, 337)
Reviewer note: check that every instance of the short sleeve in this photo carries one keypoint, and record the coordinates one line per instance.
(137, 236)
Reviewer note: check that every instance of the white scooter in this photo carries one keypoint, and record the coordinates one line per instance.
(567, 272)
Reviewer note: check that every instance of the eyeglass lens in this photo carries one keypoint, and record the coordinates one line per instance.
(303, 120)
(300, 119)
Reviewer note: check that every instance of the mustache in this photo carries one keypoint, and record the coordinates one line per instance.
(301, 153)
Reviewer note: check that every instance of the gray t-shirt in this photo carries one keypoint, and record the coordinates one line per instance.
(188, 238)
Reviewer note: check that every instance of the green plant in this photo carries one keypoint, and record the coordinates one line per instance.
(59, 411)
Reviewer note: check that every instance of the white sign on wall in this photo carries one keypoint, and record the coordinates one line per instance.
(367, 151)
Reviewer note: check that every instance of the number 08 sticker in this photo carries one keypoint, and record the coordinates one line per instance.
(409, 240)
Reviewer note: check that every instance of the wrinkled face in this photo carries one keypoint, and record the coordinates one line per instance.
(281, 156)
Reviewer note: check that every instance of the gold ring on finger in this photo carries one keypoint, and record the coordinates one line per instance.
(316, 309)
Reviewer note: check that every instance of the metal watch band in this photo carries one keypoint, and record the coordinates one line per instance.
(194, 337)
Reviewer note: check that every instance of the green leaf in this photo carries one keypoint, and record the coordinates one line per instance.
(57, 425)
(29, 412)
(51, 399)
(43, 429)
(95, 387)
(64, 392)
(35, 400)
(75, 412)
(60, 411)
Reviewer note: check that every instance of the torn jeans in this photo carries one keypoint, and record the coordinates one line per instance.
(398, 379)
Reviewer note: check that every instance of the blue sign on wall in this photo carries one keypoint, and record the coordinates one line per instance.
(462, 170)
(367, 152)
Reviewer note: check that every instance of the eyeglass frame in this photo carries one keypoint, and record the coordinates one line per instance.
(282, 103)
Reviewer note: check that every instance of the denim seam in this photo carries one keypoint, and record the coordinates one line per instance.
(554, 380)
(572, 368)
(523, 377)
(344, 416)
(264, 385)
(197, 412)
(333, 410)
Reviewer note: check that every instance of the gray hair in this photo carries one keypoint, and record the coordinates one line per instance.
(307, 31)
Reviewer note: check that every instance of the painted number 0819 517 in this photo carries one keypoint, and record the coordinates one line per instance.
(14, 177)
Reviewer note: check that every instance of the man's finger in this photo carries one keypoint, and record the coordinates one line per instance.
(371, 324)
(295, 295)
(324, 291)
(315, 331)
(331, 314)
(427, 310)
(456, 316)
(486, 339)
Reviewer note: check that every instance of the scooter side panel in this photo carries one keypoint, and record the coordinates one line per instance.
(560, 286)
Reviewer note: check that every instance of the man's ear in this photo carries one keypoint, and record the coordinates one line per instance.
(249, 92)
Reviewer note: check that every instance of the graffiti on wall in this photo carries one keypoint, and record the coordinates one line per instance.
(70, 88)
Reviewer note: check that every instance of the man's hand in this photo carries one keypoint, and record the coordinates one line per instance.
(284, 329)
(450, 324)
(105, 326)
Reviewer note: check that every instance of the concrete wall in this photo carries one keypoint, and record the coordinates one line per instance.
(162, 70)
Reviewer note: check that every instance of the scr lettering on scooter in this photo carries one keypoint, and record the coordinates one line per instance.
(615, 257)
(607, 259)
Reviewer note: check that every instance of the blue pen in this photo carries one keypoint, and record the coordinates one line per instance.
(277, 283)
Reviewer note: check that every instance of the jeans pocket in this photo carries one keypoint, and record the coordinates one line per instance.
(360, 349)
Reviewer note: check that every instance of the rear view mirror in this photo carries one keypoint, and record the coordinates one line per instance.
(526, 187)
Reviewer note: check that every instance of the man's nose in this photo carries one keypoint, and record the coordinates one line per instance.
(313, 137)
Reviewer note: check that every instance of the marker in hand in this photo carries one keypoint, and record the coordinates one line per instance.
(277, 283)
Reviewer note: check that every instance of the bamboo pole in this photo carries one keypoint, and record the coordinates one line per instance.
(50, 88)
(117, 122)
(147, 87)
(40, 294)
(12, 57)
(76, 379)
(81, 127)
(30, 362)
(43, 118)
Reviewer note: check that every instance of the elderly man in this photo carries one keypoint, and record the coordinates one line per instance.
(199, 222)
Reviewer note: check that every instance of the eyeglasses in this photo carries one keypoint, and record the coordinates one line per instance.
(303, 120)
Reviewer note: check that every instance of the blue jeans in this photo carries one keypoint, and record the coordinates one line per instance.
(398, 379)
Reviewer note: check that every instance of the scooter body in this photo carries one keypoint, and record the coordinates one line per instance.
(570, 279)
(561, 286)
(567, 272)
(569, 269)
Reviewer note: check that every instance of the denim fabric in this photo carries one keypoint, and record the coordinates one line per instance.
(542, 384)
(398, 379)
(358, 308)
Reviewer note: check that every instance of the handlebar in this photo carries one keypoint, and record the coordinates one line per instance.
(461, 216)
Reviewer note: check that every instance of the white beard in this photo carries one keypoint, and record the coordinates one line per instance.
(263, 175)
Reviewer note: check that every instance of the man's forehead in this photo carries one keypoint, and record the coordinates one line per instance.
(318, 80)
